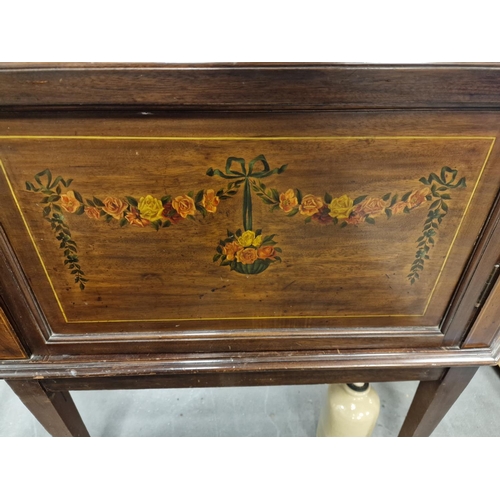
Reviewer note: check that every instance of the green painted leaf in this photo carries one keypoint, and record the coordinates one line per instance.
(166, 223)
(299, 196)
(307, 220)
(46, 211)
(344, 224)
(98, 202)
(435, 204)
(328, 198)
(216, 257)
(369, 220)
(123, 222)
(80, 210)
(446, 196)
(406, 196)
(132, 201)
(394, 199)
(423, 180)
(359, 199)
(388, 212)
(406, 210)
(78, 196)
(386, 196)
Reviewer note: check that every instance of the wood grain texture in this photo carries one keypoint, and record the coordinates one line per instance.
(254, 334)
(487, 325)
(433, 400)
(295, 363)
(10, 347)
(247, 87)
(56, 411)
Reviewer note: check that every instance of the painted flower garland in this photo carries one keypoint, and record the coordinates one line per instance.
(245, 251)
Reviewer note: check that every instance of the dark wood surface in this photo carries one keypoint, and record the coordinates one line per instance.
(106, 246)
(433, 400)
(157, 311)
(255, 86)
(10, 347)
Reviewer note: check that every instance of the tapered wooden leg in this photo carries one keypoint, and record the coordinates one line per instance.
(433, 400)
(56, 411)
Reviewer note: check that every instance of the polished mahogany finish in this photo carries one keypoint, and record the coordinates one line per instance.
(211, 225)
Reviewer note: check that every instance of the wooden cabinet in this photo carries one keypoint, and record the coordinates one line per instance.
(210, 225)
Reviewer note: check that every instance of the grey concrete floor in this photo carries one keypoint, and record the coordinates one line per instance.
(251, 411)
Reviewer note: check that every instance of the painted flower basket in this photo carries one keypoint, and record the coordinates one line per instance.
(247, 252)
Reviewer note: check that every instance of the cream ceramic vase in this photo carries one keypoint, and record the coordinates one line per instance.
(351, 410)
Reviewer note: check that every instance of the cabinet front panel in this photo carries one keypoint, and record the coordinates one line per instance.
(278, 224)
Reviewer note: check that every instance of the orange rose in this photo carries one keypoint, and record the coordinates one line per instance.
(69, 202)
(114, 207)
(288, 201)
(210, 201)
(310, 205)
(266, 252)
(230, 250)
(399, 207)
(417, 197)
(184, 206)
(135, 219)
(246, 255)
(371, 206)
(92, 212)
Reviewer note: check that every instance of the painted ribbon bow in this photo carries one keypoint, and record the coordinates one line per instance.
(243, 176)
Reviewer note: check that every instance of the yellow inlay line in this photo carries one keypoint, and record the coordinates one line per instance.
(459, 226)
(33, 241)
(236, 138)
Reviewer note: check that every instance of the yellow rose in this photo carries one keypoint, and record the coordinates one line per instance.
(257, 242)
(310, 205)
(150, 208)
(184, 206)
(341, 207)
(246, 255)
(246, 239)
(210, 201)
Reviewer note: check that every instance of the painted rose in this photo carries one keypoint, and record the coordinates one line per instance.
(150, 208)
(288, 201)
(266, 252)
(399, 207)
(417, 197)
(246, 239)
(310, 205)
(184, 205)
(341, 207)
(92, 212)
(135, 218)
(170, 214)
(355, 218)
(114, 207)
(372, 206)
(69, 202)
(323, 216)
(210, 201)
(230, 250)
(246, 255)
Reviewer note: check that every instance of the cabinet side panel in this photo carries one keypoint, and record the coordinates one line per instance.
(10, 348)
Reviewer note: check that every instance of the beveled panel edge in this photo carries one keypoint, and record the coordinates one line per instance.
(72, 367)
(10, 347)
(19, 302)
(486, 253)
(232, 86)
